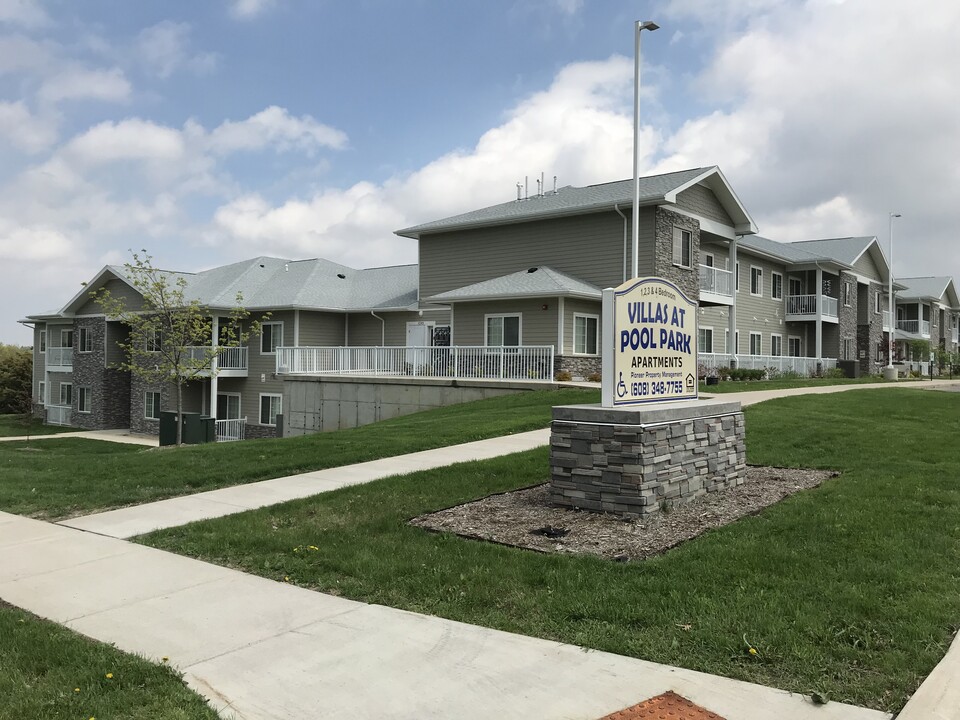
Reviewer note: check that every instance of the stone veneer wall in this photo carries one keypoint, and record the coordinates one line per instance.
(635, 462)
(109, 388)
(579, 366)
(259, 432)
(139, 386)
(847, 320)
(870, 335)
(687, 279)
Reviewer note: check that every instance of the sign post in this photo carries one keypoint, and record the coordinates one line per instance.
(649, 344)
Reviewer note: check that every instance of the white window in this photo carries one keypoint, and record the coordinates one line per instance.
(66, 393)
(705, 340)
(877, 303)
(776, 345)
(708, 259)
(270, 407)
(66, 338)
(736, 342)
(271, 337)
(846, 298)
(86, 340)
(848, 349)
(43, 341)
(776, 286)
(228, 406)
(682, 247)
(793, 346)
(756, 280)
(152, 340)
(756, 343)
(502, 330)
(151, 405)
(585, 332)
(42, 392)
(83, 399)
(737, 278)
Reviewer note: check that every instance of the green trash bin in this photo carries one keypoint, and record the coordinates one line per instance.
(168, 427)
(208, 429)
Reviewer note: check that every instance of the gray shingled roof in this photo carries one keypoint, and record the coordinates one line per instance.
(533, 282)
(786, 252)
(567, 200)
(924, 287)
(268, 282)
(846, 249)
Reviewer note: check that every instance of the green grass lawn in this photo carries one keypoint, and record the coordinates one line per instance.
(57, 478)
(851, 589)
(736, 386)
(52, 673)
(15, 425)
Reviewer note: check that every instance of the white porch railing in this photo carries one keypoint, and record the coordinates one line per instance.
(529, 362)
(230, 430)
(782, 363)
(716, 281)
(917, 327)
(228, 358)
(59, 357)
(807, 305)
(58, 414)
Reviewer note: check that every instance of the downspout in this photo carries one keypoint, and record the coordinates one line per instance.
(616, 206)
(383, 329)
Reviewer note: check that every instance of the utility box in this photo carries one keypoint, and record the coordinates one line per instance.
(851, 368)
(197, 428)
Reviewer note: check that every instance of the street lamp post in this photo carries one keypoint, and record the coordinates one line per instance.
(890, 372)
(635, 237)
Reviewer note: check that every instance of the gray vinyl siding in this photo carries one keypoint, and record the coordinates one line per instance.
(701, 201)
(365, 330)
(574, 306)
(866, 266)
(116, 332)
(721, 254)
(39, 363)
(759, 314)
(589, 247)
(118, 289)
(321, 329)
(710, 317)
(53, 333)
(537, 326)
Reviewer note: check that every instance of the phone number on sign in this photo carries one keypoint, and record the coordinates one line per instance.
(665, 387)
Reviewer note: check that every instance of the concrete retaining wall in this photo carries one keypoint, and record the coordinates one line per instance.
(637, 461)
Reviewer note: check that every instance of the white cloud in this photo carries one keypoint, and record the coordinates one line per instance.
(249, 9)
(82, 84)
(23, 130)
(132, 139)
(164, 48)
(19, 54)
(275, 127)
(36, 244)
(26, 13)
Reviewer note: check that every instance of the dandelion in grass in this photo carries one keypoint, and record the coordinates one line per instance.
(76, 690)
(109, 676)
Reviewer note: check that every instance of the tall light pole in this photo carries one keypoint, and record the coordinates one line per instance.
(889, 373)
(639, 27)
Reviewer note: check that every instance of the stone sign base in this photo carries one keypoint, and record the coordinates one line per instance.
(636, 461)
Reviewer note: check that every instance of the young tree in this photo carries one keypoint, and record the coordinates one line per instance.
(170, 339)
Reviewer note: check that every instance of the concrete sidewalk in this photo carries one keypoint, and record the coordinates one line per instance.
(263, 650)
(117, 436)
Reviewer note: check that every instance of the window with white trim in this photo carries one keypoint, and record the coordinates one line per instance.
(228, 406)
(86, 340)
(736, 342)
(756, 343)
(83, 399)
(270, 407)
(66, 393)
(793, 346)
(43, 341)
(151, 405)
(736, 278)
(586, 330)
(66, 338)
(776, 345)
(756, 281)
(152, 339)
(705, 340)
(848, 349)
(776, 286)
(708, 259)
(846, 298)
(271, 337)
(502, 330)
(682, 247)
(877, 303)
(42, 392)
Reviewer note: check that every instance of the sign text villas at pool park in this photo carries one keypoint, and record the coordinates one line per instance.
(649, 343)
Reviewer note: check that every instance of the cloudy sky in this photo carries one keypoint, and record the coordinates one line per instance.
(208, 132)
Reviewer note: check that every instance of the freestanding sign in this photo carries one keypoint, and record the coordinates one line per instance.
(649, 343)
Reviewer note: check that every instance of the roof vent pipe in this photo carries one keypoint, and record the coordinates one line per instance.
(542, 183)
(539, 187)
(519, 191)
(554, 184)
(526, 187)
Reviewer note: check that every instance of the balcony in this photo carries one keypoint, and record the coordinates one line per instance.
(915, 327)
(231, 361)
(58, 414)
(804, 307)
(59, 359)
(716, 285)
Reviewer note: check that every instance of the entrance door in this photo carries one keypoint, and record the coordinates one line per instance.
(419, 335)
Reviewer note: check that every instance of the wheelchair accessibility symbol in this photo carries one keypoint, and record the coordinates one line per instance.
(621, 387)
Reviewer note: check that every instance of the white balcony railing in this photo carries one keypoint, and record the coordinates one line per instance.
(807, 305)
(915, 327)
(925, 328)
(58, 414)
(716, 281)
(230, 430)
(781, 363)
(60, 357)
(228, 358)
(529, 362)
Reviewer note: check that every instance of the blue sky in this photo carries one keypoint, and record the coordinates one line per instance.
(207, 132)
